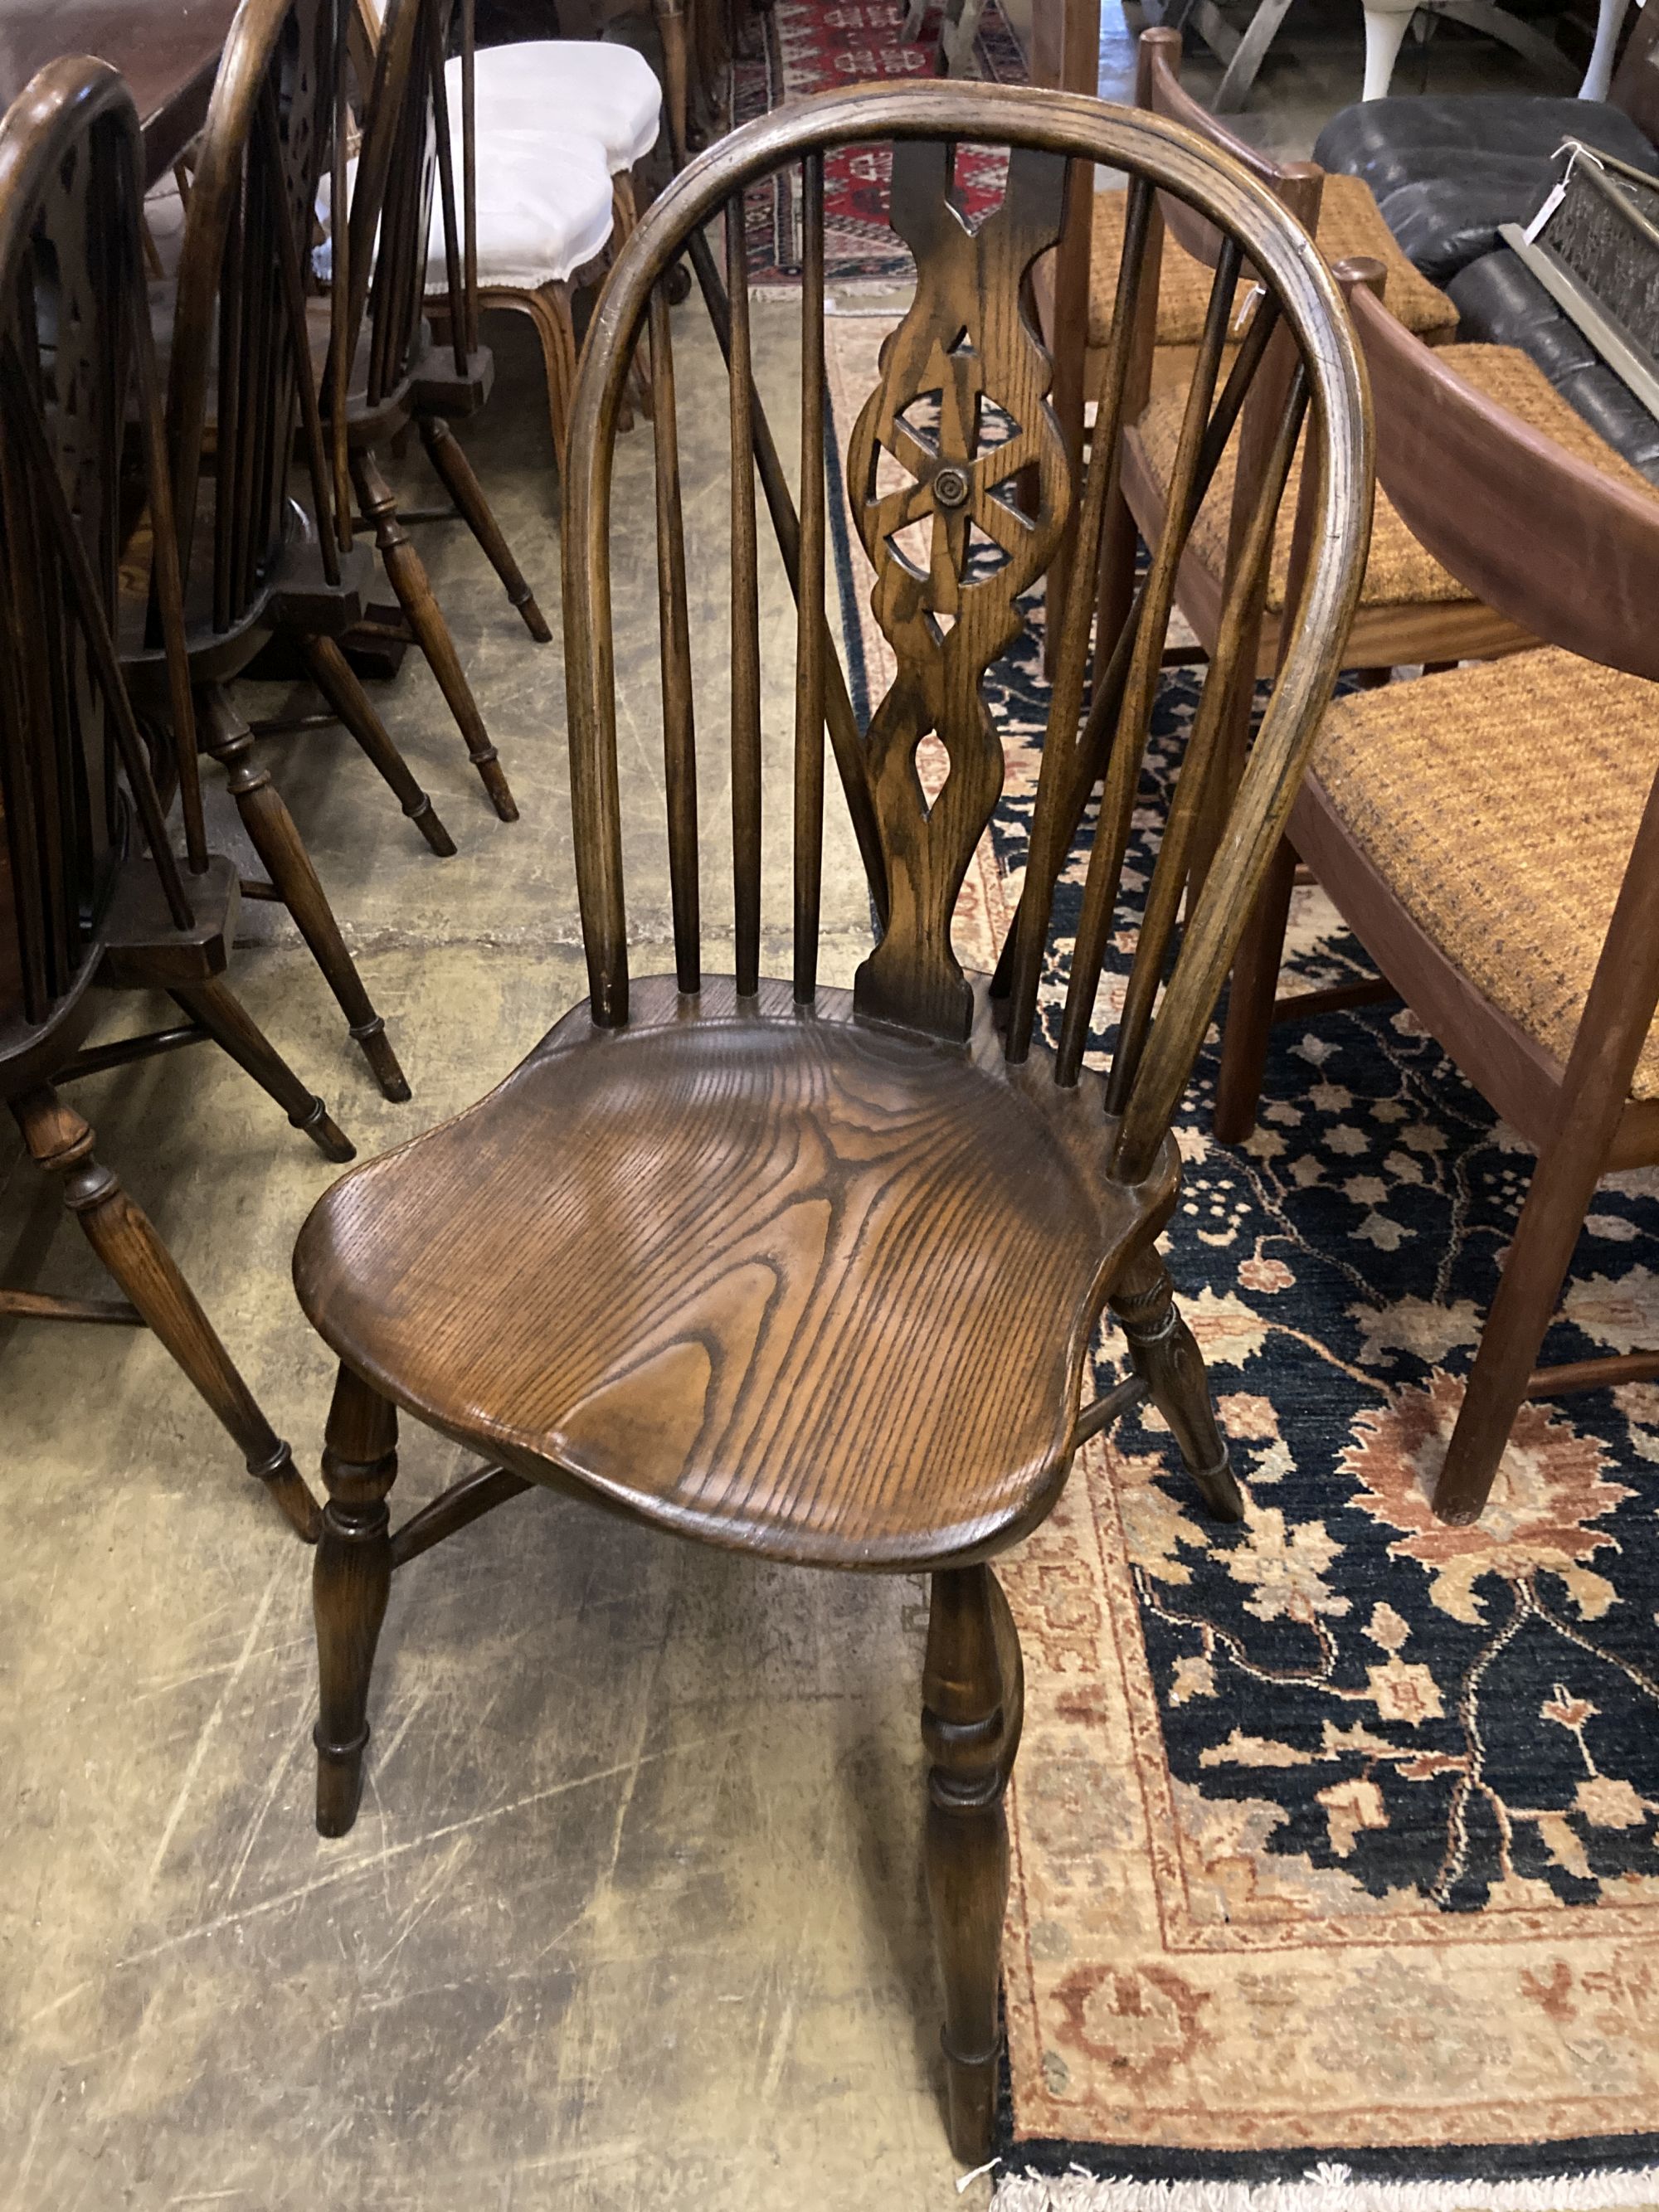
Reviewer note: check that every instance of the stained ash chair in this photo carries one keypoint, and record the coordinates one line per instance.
(92, 895)
(380, 368)
(812, 1273)
(1492, 833)
(240, 395)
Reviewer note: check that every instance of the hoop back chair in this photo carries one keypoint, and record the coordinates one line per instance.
(92, 893)
(241, 393)
(384, 368)
(809, 1273)
(1535, 966)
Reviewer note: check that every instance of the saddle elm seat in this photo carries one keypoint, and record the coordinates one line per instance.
(766, 1275)
(1350, 225)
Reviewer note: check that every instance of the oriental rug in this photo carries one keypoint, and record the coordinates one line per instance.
(1335, 1835)
(807, 46)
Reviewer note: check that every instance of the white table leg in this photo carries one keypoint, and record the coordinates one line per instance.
(1386, 27)
(1599, 76)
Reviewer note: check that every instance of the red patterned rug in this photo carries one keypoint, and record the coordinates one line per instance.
(808, 46)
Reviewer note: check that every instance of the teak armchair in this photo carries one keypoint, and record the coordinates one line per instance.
(814, 1273)
(84, 908)
(1493, 836)
(1412, 610)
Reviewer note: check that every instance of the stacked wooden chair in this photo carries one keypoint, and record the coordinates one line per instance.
(812, 1273)
(380, 367)
(241, 393)
(93, 897)
(1492, 833)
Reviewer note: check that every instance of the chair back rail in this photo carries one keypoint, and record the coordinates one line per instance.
(959, 490)
(241, 351)
(79, 781)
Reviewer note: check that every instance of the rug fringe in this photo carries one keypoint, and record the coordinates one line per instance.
(1328, 2188)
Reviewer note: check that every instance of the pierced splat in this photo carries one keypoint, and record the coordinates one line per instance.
(961, 414)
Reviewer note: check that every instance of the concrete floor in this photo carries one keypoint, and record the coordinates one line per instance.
(633, 1913)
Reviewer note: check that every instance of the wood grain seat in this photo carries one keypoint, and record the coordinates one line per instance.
(768, 1276)
(1507, 848)
(1350, 224)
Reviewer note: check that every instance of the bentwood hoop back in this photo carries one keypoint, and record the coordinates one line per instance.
(812, 1272)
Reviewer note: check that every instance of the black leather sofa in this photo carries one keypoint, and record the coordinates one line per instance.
(1446, 173)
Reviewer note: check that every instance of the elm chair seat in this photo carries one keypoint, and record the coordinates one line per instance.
(1507, 849)
(1350, 224)
(849, 1258)
(1399, 571)
(552, 87)
(545, 210)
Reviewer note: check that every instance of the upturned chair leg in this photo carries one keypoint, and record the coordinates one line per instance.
(410, 581)
(335, 678)
(1250, 998)
(276, 840)
(455, 473)
(125, 1240)
(971, 1728)
(1529, 1291)
(1163, 1348)
(352, 1577)
(220, 1011)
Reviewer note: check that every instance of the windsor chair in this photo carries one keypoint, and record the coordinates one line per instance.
(240, 392)
(92, 896)
(1492, 833)
(380, 367)
(809, 1273)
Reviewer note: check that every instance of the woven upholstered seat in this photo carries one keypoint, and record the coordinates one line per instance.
(1500, 802)
(1399, 572)
(1350, 223)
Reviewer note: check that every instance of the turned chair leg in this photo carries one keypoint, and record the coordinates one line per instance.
(549, 310)
(1529, 1293)
(1163, 1349)
(125, 1240)
(350, 1585)
(1250, 998)
(227, 1021)
(971, 1718)
(410, 581)
(296, 881)
(455, 473)
(337, 679)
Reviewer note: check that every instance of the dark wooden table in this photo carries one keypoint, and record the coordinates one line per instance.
(167, 50)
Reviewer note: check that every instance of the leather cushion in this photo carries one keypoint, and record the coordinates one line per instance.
(1502, 302)
(1446, 173)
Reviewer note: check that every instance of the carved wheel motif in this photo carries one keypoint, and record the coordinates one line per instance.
(959, 487)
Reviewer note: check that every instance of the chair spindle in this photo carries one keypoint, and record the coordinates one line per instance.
(810, 635)
(745, 617)
(678, 713)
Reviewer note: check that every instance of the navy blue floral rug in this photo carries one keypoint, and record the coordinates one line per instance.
(1335, 1862)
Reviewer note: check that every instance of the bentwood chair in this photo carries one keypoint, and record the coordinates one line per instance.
(380, 368)
(808, 1273)
(92, 896)
(1492, 833)
(240, 394)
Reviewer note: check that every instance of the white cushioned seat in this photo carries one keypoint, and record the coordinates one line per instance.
(550, 86)
(545, 207)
